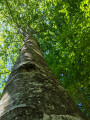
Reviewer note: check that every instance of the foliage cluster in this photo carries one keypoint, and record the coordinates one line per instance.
(63, 34)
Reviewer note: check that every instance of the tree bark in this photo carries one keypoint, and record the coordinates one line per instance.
(32, 92)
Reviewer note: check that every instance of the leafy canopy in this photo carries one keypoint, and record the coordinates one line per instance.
(63, 29)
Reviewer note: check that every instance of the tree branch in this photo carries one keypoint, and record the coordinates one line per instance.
(5, 72)
(30, 30)
(18, 26)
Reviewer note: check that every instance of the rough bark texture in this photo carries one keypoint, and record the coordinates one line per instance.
(32, 91)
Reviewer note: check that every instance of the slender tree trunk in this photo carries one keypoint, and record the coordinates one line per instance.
(32, 91)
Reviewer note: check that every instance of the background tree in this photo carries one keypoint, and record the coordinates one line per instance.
(63, 33)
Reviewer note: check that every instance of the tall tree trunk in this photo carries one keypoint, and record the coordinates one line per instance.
(32, 91)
